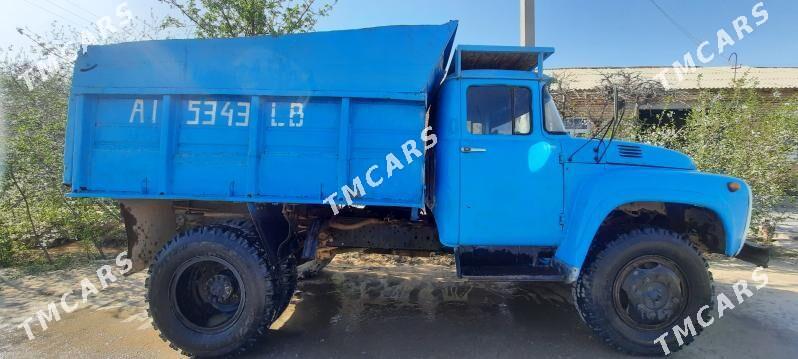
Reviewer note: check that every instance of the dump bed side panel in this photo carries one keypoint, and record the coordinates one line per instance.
(260, 119)
(397, 62)
(244, 148)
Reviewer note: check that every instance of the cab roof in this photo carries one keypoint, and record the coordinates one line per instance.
(499, 61)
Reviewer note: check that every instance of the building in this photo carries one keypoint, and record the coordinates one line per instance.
(587, 104)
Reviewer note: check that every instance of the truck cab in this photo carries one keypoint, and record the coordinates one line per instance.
(234, 181)
(497, 163)
(508, 174)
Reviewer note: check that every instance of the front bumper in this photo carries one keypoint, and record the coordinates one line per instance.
(756, 254)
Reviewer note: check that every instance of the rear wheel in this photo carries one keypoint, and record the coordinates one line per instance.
(210, 292)
(287, 282)
(639, 286)
(285, 278)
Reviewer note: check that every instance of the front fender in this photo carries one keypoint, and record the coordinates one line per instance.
(615, 186)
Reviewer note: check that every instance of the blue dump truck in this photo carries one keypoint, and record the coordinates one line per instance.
(241, 164)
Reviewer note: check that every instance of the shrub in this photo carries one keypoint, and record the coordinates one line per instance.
(736, 132)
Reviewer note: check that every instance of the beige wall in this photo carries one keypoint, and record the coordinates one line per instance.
(592, 105)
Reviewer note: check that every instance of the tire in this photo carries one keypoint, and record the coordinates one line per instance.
(210, 292)
(639, 286)
(285, 279)
(312, 268)
(288, 282)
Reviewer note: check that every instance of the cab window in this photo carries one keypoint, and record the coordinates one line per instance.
(499, 110)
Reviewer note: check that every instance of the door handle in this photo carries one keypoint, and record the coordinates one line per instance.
(472, 149)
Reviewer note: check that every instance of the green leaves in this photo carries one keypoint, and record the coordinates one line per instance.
(34, 92)
(235, 18)
(34, 214)
(743, 132)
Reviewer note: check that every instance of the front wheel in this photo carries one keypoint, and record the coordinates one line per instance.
(637, 288)
(210, 292)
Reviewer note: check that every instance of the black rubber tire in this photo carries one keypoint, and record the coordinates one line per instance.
(285, 276)
(593, 291)
(312, 268)
(288, 282)
(258, 307)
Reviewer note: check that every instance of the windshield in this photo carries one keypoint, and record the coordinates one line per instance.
(551, 116)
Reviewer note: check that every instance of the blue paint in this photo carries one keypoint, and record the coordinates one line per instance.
(263, 119)
(539, 155)
(492, 198)
(593, 191)
(291, 119)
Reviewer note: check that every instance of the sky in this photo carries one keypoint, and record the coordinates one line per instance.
(584, 33)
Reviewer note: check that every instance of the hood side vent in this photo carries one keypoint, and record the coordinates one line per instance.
(630, 151)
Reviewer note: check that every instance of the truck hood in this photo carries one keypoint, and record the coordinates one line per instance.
(625, 153)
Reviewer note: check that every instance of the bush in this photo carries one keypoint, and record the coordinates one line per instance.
(7, 249)
(736, 132)
(34, 213)
(34, 91)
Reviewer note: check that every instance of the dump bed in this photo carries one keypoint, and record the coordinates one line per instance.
(260, 119)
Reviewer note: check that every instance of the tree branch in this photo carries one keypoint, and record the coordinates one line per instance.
(188, 14)
(30, 216)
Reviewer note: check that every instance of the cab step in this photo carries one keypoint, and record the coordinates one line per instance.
(507, 263)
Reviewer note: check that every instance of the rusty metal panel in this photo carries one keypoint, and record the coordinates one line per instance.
(149, 224)
(393, 236)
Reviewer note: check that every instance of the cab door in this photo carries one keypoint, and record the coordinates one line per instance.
(511, 188)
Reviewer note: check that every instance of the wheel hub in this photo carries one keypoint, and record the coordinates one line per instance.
(207, 293)
(649, 292)
(220, 288)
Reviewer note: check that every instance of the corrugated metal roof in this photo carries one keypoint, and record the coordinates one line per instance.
(699, 77)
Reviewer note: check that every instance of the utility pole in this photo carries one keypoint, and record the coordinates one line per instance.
(527, 22)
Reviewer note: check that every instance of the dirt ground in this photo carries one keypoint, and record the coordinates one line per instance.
(377, 306)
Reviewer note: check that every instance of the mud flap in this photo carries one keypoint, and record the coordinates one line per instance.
(149, 224)
(756, 254)
(273, 229)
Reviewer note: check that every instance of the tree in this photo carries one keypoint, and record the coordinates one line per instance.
(34, 91)
(633, 91)
(235, 18)
(736, 132)
(34, 109)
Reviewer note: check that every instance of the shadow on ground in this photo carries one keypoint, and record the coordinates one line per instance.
(409, 311)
